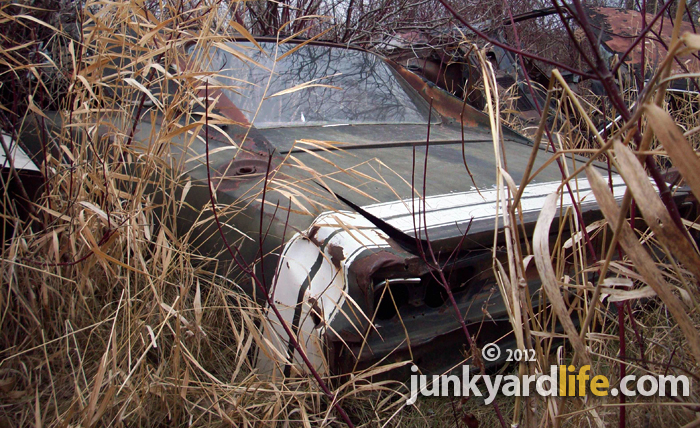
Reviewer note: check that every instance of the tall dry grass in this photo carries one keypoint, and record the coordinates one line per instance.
(107, 315)
(625, 288)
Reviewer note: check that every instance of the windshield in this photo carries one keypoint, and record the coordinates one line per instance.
(315, 86)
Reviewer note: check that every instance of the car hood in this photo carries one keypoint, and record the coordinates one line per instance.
(377, 167)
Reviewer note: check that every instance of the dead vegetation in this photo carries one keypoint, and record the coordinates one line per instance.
(107, 317)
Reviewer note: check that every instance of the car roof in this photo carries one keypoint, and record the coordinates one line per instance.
(300, 40)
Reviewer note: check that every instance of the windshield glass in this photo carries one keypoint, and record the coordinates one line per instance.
(315, 86)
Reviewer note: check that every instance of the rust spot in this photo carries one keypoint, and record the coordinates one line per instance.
(337, 255)
(316, 312)
(620, 27)
(443, 102)
(364, 268)
(312, 235)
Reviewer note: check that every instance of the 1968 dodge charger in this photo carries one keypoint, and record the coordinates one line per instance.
(353, 195)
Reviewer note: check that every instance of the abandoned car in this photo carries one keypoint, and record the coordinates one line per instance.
(361, 164)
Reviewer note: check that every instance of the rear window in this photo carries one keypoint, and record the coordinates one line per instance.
(315, 86)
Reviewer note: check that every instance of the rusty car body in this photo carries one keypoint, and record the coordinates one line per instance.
(360, 169)
(442, 57)
(619, 29)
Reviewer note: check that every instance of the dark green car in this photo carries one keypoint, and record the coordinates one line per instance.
(358, 208)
